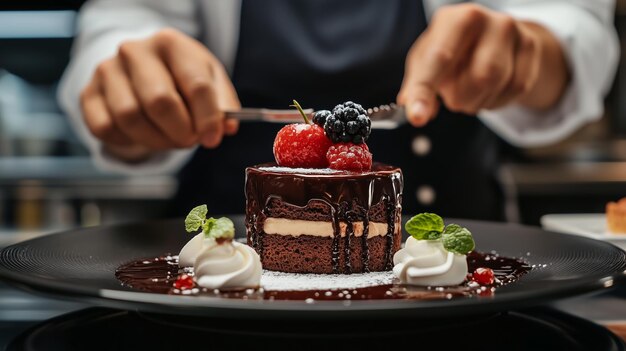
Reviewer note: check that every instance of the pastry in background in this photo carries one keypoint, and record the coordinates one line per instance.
(616, 216)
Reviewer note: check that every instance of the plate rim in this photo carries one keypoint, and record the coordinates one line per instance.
(300, 309)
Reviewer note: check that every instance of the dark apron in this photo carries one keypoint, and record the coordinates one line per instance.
(324, 52)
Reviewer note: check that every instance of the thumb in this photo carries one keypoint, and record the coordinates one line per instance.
(420, 102)
(228, 101)
(418, 94)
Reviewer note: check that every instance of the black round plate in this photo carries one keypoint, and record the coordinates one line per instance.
(82, 263)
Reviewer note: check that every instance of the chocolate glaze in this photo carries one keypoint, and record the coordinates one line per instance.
(349, 195)
(157, 275)
(392, 215)
(346, 247)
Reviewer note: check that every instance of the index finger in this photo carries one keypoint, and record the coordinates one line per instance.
(191, 66)
(195, 80)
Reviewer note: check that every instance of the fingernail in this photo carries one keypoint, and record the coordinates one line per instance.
(417, 113)
(209, 140)
(417, 110)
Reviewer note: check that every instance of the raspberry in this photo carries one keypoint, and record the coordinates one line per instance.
(349, 157)
(348, 123)
(320, 117)
(483, 276)
(301, 145)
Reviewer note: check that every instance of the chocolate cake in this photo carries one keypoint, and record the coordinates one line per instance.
(305, 220)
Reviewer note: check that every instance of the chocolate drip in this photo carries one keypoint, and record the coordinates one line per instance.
(251, 228)
(254, 226)
(336, 239)
(390, 208)
(346, 245)
(365, 252)
(259, 234)
(340, 192)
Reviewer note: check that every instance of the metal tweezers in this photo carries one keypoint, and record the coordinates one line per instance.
(383, 117)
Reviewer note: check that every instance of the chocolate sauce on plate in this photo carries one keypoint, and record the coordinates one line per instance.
(157, 275)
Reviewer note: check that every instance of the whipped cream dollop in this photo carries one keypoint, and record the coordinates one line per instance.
(428, 263)
(223, 264)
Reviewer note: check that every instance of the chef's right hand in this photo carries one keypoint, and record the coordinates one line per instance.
(164, 92)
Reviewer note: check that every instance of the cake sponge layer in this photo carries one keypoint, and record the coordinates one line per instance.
(313, 254)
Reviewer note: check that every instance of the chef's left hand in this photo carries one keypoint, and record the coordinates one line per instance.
(475, 58)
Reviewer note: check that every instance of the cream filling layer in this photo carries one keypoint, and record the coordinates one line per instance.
(297, 227)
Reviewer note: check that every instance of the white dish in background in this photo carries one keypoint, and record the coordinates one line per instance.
(592, 225)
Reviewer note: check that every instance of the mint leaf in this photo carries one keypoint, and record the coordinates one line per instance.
(458, 239)
(195, 218)
(451, 228)
(208, 225)
(219, 228)
(425, 226)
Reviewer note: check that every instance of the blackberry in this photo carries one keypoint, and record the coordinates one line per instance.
(320, 117)
(348, 123)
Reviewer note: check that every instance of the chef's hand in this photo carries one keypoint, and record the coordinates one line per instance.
(475, 58)
(164, 92)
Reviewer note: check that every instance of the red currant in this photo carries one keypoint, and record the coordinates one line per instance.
(483, 276)
(184, 282)
(486, 293)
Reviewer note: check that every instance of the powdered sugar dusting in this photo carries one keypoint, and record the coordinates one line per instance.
(301, 170)
(271, 280)
(300, 127)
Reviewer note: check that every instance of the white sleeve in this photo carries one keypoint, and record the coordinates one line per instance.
(585, 30)
(102, 26)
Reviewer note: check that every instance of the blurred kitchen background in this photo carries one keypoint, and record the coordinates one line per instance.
(48, 183)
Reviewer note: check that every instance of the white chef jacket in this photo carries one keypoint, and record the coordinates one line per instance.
(583, 27)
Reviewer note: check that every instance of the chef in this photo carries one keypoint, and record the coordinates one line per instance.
(149, 80)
